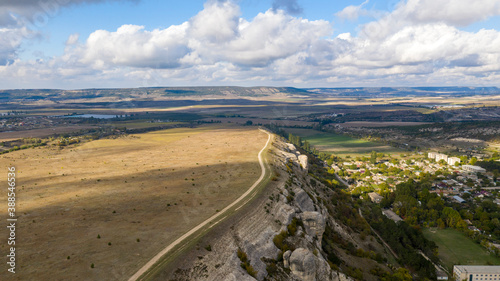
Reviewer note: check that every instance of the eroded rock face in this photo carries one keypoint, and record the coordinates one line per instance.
(306, 266)
(286, 258)
(303, 200)
(303, 162)
(291, 147)
(261, 246)
(239, 277)
(285, 213)
(314, 223)
(303, 264)
(289, 157)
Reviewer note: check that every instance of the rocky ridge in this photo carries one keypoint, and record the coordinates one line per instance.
(279, 237)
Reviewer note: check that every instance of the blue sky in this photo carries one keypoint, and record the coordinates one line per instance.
(135, 43)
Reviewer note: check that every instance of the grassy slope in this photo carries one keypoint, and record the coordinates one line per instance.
(456, 248)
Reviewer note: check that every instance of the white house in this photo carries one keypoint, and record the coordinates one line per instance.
(375, 197)
(476, 272)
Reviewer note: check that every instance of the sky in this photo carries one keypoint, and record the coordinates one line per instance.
(74, 44)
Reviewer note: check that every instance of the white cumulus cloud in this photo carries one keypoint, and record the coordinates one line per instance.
(216, 34)
(353, 12)
(452, 12)
(419, 43)
(10, 40)
(269, 36)
(133, 46)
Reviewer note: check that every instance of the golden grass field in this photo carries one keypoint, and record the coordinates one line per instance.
(153, 187)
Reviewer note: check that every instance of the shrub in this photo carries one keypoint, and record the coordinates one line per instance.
(272, 269)
(292, 227)
(279, 239)
(242, 255)
(245, 263)
(249, 269)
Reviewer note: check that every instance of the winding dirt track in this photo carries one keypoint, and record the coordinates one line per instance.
(213, 218)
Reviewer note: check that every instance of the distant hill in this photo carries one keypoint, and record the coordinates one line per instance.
(148, 93)
(231, 92)
(407, 91)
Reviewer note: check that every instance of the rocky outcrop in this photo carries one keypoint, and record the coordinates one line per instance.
(239, 276)
(286, 259)
(314, 223)
(303, 200)
(303, 162)
(261, 247)
(284, 213)
(303, 264)
(308, 267)
(289, 156)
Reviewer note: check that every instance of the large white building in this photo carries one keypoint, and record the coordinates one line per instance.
(474, 169)
(453, 160)
(440, 157)
(476, 272)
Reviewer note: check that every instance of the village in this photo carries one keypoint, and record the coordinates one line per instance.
(470, 191)
(16, 122)
(452, 179)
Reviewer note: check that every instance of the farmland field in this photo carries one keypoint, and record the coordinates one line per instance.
(138, 124)
(456, 248)
(115, 203)
(40, 133)
(380, 124)
(340, 144)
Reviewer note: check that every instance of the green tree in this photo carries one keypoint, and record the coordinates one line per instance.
(440, 223)
(402, 274)
(373, 157)
(473, 161)
(435, 204)
(307, 146)
(463, 159)
(452, 217)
